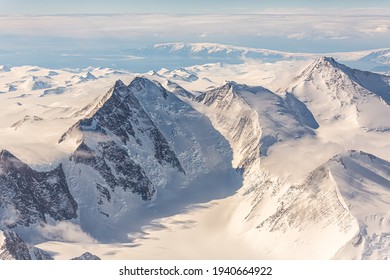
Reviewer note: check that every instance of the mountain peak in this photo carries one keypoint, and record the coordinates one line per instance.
(327, 62)
(325, 59)
(6, 155)
(89, 76)
(86, 257)
(140, 83)
(327, 68)
(119, 89)
(119, 83)
(139, 80)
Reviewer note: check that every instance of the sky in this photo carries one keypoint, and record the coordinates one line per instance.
(101, 25)
(173, 6)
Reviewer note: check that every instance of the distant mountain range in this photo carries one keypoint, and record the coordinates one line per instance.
(373, 58)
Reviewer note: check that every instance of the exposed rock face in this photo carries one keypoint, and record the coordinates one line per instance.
(140, 145)
(13, 247)
(87, 256)
(39, 254)
(28, 196)
(117, 126)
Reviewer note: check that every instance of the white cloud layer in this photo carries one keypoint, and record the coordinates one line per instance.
(66, 232)
(151, 28)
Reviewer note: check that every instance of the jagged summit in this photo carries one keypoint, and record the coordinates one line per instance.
(325, 61)
(5, 154)
(119, 88)
(140, 143)
(122, 146)
(142, 83)
(119, 84)
(8, 161)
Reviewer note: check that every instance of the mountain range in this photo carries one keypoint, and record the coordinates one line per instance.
(377, 59)
(299, 167)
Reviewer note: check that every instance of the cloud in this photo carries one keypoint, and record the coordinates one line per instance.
(9, 215)
(339, 37)
(296, 36)
(299, 153)
(116, 31)
(65, 232)
(381, 29)
(118, 58)
(375, 28)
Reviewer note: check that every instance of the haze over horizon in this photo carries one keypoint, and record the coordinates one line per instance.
(32, 31)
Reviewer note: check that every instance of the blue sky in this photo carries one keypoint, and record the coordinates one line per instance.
(102, 25)
(172, 6)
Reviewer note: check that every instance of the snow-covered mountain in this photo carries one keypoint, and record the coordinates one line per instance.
(363, 181)
(375, 60)
(125, 157)
(12, 247)
(334, 91)
(291, 160)
(378, 56)
(345, 199)
(213, 50)
(283, 215)
(277, 118)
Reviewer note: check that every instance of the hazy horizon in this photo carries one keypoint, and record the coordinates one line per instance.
(44, 32)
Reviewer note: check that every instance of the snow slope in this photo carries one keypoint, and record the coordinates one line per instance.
(364, 184)
(265, 159)
(334, 91)
(142, 145)
(45, 114)
(325, 217)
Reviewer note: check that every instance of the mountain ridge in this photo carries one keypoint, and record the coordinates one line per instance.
(284, 171)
